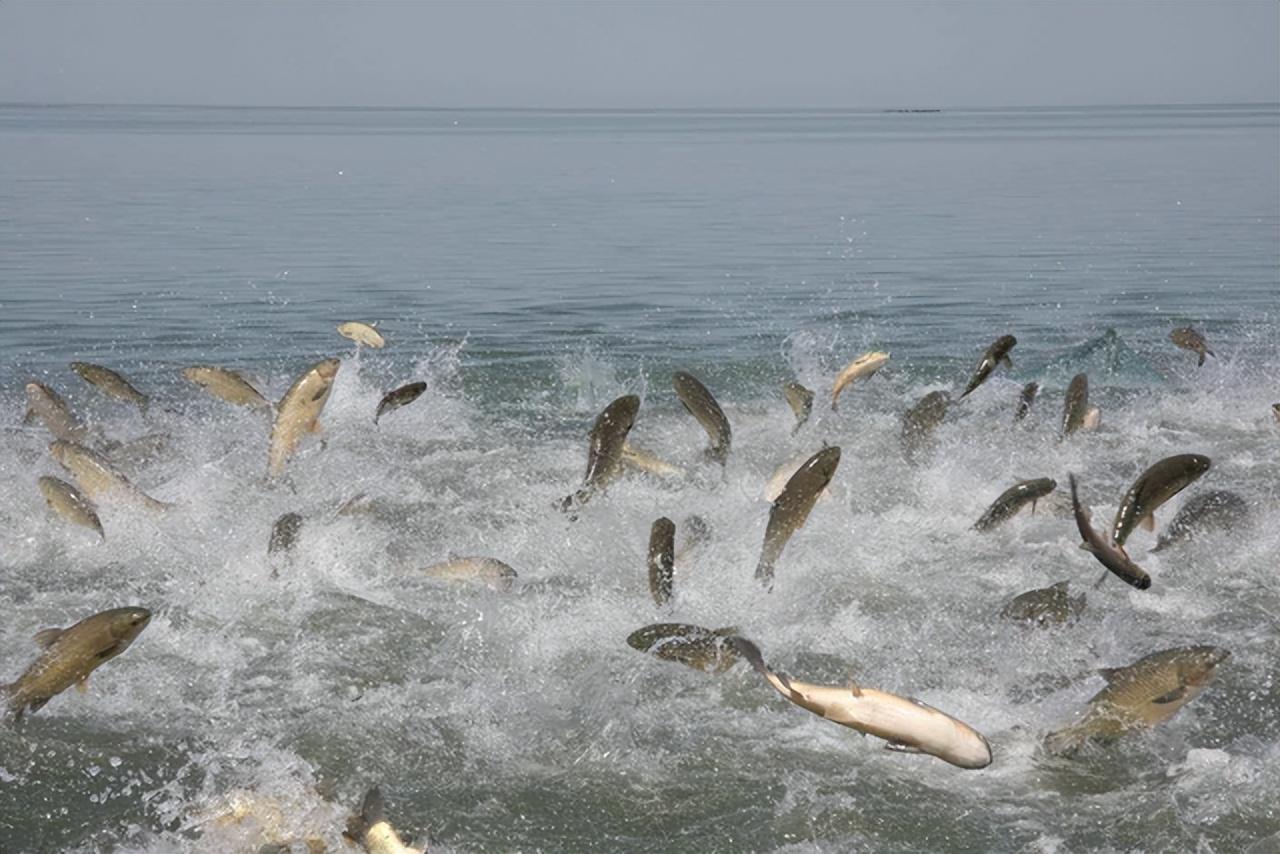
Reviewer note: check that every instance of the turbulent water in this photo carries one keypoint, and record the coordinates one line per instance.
(531, 267)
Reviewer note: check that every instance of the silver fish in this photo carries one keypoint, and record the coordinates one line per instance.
(1013, 499)
(919, 422)
(1076, 405)
(97, 478)
(1188, 339)
(792, 508)
(995, 354)
(800, 399)
(605, 453)
(402, 396)
(701, 404)
(69, 503)
(702, 649)
(1208, 511)
(662, 549)
(110, 383)
(45, 404)
(1025, 399)
(1046, 605)
(227, 385)
(299, 413)
(1106, 551)
(1154, 487)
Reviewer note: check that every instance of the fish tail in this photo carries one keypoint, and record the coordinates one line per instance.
(1066, 742)
(1201, 355)
(751, 653)
(372, 811)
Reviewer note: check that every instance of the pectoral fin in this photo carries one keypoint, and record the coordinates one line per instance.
(1006, 361)
(901, 747)
(46, 637)
(83, 685)
(854, 688)
(1172, 697)
(1148, 522)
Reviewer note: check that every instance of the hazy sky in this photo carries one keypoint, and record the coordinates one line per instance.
(548, 54)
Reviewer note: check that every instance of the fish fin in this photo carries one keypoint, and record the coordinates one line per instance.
(1006, 361)
(1066, 742)
(82, 687)
(35, 705)
(726, 632)
(1148, 522)
(750, 652)
(1200, 363)
(1088, 546)
(1109, 673)
(372, 811)
(1172, 697)
(46, 637)
(1033, 506)
(854, 688)
(922, 704)
(901, 747)
(30, 416)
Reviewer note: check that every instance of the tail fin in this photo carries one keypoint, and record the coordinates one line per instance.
(372, 811)
(751, 653)
(1200, 363)
(1065, 742)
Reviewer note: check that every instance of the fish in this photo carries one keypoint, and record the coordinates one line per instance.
(919, 422)
(662, 548)
(299, 413)
(1107, 552)
(1013, 499)
(70, 655)
(227, 385)
(646, 462)
(604, 454)
(69, 503)
(778, 480)
(1154, 487)
(906, 724)
(284, 534)
(701, 404)
(1275, 410)
(694, 533)
(1140, 696)
(998, 352)
(702, 649)
(483, 570)
(371, 830)
(863, 366)
(97, 478)
(402, 396)
(110, 383)
(47, 405)
(792, 507)
(1201, 514)
(362, 333)
(1076, 405)
(800, 399)
(1188, 339)
(1045, 605)
(1025, 399)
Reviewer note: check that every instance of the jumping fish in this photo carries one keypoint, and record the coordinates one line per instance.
(648, 463)
(701, 404)
(362, 333)
(1075, 408)
(778, 480)
(1045, 605)
(919, 422)
(1220, 510)
(1143, 695)
(69, 503)
(484, 570)
(662, 548)
(96, 478)
(708, 650)
(47, 405)
(863, 366)
(792, 507)
(1025, 399)
(227, 385)
(998, 352)
(70, 655)
(800, 399)
(402, 396)
(298, 413)
(1188, 339)
(905, 723)
(1154, 487)
(110, 383)
(1013, 499)
(605, 454)
(1108, 553)
(371, 830)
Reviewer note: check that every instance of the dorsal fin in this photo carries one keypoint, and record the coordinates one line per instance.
(727, 631)
(1110, 673)
(45, 638)
(854, 688)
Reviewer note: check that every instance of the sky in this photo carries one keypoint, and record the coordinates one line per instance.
(861, 53)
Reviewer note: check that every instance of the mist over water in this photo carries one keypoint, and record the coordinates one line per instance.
(531, 267)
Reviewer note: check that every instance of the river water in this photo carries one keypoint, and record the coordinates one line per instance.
(532, 266)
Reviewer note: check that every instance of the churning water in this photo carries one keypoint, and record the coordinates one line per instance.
(530, 267)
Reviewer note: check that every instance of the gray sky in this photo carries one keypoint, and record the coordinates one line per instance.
(558, 54)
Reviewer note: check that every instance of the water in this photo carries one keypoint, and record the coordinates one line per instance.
(532, 266)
